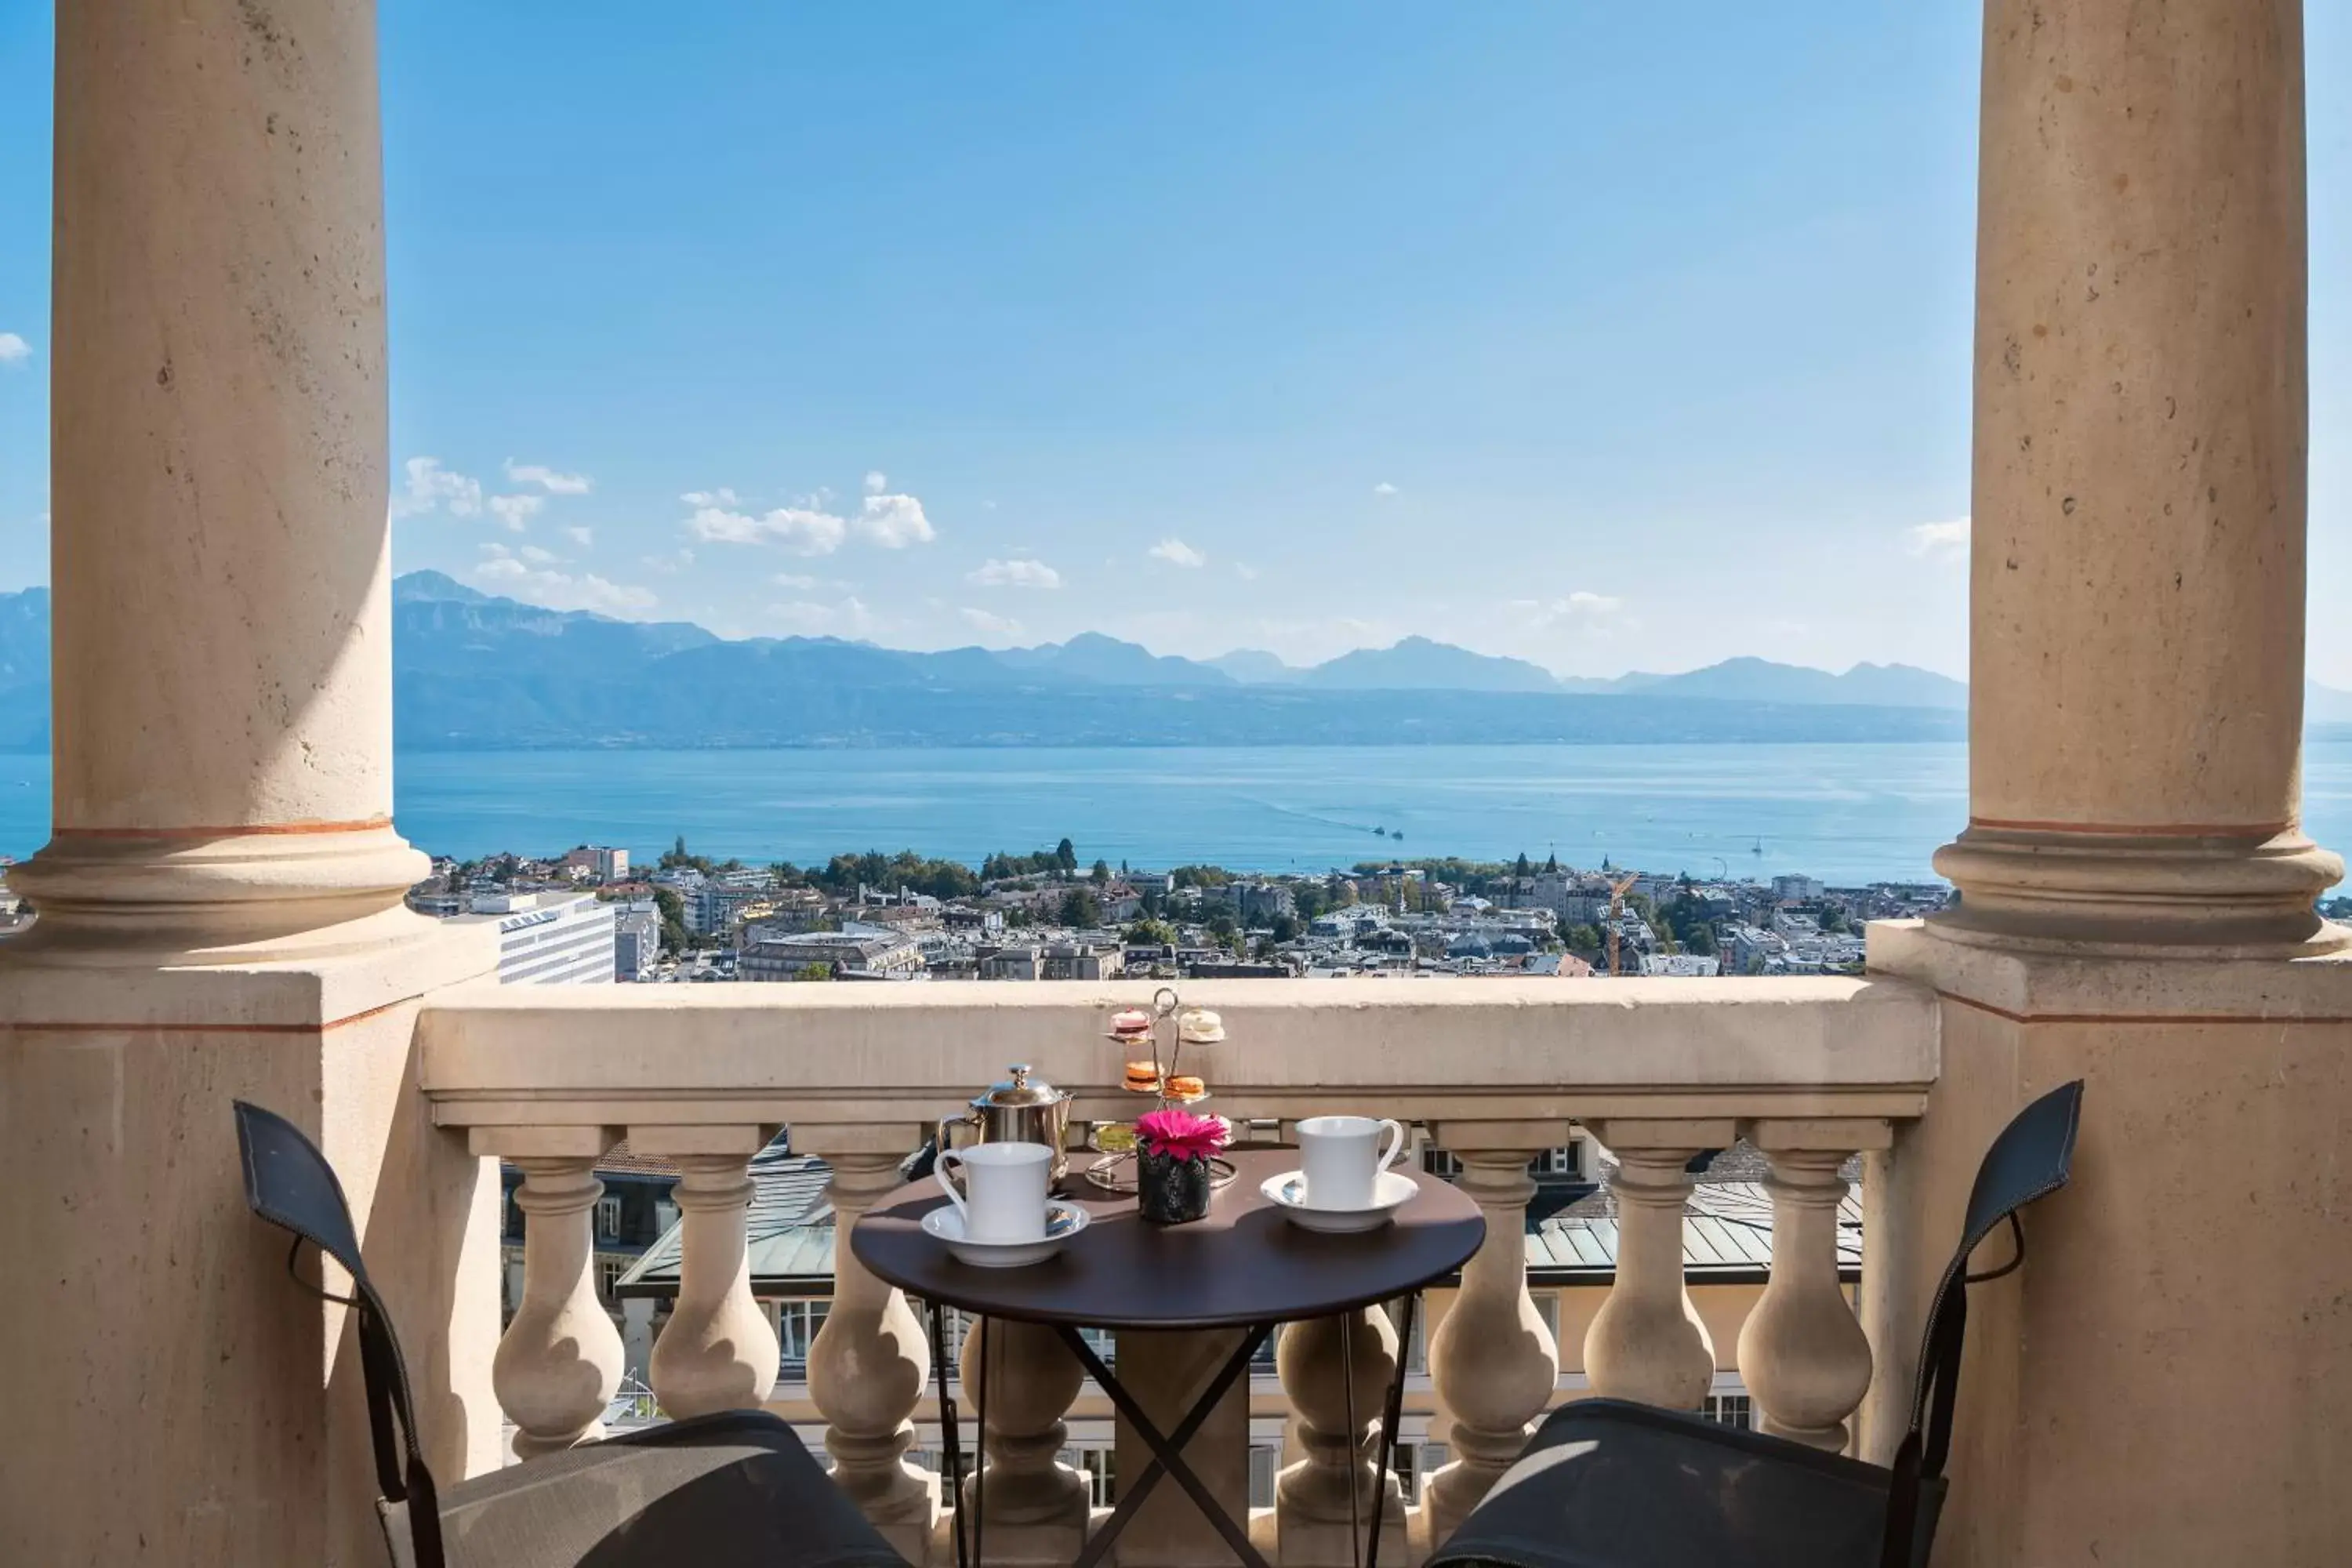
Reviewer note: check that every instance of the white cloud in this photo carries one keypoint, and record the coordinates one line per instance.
(1943, 541)
(850, 617)
(669, 565)
(988, 625)
(722, 496)
(894, 523)
(1583, 607)
(1245, 571)
(792, 529)
(1176, 553)
(431, 486)
(877, 481)
(14, 350)
(516, 512)
(796, 583)
(1385, 489)
(581, 536)
(546, 478)
(530, 574)
(1014, 573)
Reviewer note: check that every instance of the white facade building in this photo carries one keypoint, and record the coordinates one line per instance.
(546, 939)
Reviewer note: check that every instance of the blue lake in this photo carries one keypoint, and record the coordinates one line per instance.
(1843, 813)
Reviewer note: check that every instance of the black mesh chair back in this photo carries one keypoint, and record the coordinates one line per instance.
(289, 1183)
(2033, 1158)
(731, 1490)
(1607, 1483)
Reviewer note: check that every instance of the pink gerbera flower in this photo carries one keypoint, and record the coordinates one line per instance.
(1181, 1135)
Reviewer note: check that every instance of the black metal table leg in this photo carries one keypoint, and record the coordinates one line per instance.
(950, 1446)
(1168, 1452)
(1389, 1419)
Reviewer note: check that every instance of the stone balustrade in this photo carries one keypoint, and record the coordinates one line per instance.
(1809, 1071)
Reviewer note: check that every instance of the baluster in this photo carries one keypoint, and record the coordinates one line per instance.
(868, 1366)
(1318, 1362)
(1647, 1342)
(1802, 1353)
(1491, 1358)
(559, 1362)
(718, 1352)
(1037, 1506)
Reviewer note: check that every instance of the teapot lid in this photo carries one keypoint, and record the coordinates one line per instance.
(1021, 1090)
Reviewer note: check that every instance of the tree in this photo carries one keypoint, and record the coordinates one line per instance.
(1081, 907)
(1151, 934)
(1522, 871)
(1285, 928)
(1551, 863)
(1101, 873)
(813, 972)
(1066, 856)
(674, 936)
(1583, 939)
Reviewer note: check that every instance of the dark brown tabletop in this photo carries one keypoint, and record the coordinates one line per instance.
(1243, 1264)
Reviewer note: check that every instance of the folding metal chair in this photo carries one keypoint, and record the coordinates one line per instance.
(1606, 1483)
(730, 1490)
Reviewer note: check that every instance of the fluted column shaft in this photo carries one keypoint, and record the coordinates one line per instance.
(868, 1366)
(719, 1350)
(1803, 1352)
(2137, 566)
(559, 1362)
(1492, 1359)
(222, 746)
(1647, 1342)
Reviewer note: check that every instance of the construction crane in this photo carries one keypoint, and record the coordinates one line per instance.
(1617, 891)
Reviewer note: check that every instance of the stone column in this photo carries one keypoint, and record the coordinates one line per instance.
(1037, 1506)
(219, 555)
(2141, 348)
(1803, 1352)
(1647, 1342)
(868, 1367)
(718, 1350)
(2136, 584)
(1492, 1359)
(220, 901)
(1331, 1368)
(559, 1362)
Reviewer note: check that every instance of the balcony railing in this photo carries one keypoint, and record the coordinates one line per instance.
(1811, 1071)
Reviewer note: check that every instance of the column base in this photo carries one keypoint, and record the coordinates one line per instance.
(109, 900)
(2124, 895)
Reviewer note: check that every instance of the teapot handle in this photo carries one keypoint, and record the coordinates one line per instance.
(962, 1119)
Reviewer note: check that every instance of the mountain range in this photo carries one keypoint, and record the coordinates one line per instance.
(475, 671)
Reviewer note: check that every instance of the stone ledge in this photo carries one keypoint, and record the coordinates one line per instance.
(1505, 1050)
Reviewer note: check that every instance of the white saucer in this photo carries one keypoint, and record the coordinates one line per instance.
(1063, 1221)
(1286, 1191)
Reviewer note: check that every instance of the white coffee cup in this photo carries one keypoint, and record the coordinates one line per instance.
(1341, 1159)
(1007, 1184)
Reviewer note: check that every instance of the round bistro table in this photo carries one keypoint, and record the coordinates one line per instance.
(1243, 1267)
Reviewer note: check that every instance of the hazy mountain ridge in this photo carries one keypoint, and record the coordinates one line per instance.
(475, 670)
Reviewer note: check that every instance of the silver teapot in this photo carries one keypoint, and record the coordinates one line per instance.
(1019, 1110)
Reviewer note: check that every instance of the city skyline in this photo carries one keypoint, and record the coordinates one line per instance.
(1580, 339)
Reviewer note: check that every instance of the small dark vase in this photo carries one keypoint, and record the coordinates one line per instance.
(1170, 1189)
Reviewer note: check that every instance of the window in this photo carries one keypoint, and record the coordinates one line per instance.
(1100, 1469)
(797, 1324)
(664, 1216)
(1440, 1163)
(1730, 1409)
(1264, 1464)
(608, 1275)
(608, 1215)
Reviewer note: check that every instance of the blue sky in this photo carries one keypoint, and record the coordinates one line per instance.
(1608, 337)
